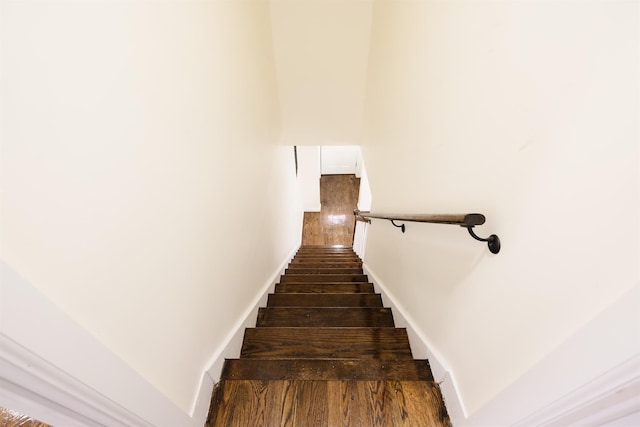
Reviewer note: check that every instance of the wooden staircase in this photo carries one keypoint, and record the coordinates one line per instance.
(325, 352)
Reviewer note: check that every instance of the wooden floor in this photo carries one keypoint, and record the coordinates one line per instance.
(330, 403)
(9, 418)
(325, 352)
(334, 224)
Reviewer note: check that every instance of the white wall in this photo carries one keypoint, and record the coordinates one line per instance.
(309, 177)
(337, 160)
(141, 175)
(364, 204)
(321, 49)
(364, 196)
(526, 112)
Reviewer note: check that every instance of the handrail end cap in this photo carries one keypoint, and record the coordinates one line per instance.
(473, 219)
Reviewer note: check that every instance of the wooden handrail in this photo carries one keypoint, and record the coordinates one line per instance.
(463, 220)
(467, 221)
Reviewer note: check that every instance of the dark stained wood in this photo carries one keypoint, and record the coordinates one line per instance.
(324, 369)
(324, 300)
(326, 278)
(324, 317)
(325, 352)
(331, 255)
(385, 403)
(334, 224)
(471, 220)
(10, 418)
(325, 260)
(340, 262)
(325, 249)
(303, 270)
(337, 343)
(324, 288)
(327, 264)
(329, 403)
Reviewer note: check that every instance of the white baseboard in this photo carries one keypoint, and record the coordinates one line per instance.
(314, 208)
(585, 381)
(593, 378)
(421, 348)
(64, 376)
(230, 349)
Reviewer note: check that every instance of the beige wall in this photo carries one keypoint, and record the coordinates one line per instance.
(321, 49)
(526, 112)
(142, 188)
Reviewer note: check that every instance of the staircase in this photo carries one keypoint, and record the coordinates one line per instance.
(325, 352)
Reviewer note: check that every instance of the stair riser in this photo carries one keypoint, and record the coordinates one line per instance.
(326, 278)
(302, 270)
(325, 251)
(314, 288)
(331, 265)
(329, 257)
(326, 370)
(326, 255)
(324, 260)
(324, 300)
(325, 317)
(326, 343)
(293, 267)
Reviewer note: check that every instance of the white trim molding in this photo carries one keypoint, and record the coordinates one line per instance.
(58, 375)
(422, 348)
(612, 396)
(593, 378)
(584, 381)
(62, 375)
(231, 347)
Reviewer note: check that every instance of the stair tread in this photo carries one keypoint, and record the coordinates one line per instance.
(324, 265)
(303, 270)
(356, 288)
(324, 300)
(327, 283)
(324, 251)
(326, 316)
(328, 403)
(323, 342)
(324, 247)
(327, 369)
(328, 256)
(328, 278)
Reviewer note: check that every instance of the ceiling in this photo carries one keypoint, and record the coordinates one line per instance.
(321, 51)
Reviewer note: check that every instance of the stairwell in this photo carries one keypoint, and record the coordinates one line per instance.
(325, 352)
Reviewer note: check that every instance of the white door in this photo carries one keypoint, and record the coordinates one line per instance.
(338, 160)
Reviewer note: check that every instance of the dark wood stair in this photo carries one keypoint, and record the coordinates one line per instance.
(326, 343)
(324, 288)
(326, 347)
(324, 300)
(324, 317)
(328, 370)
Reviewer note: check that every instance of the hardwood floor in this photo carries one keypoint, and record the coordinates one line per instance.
(334, 224)
(329, 403)
(325, 353)
(9, 418)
